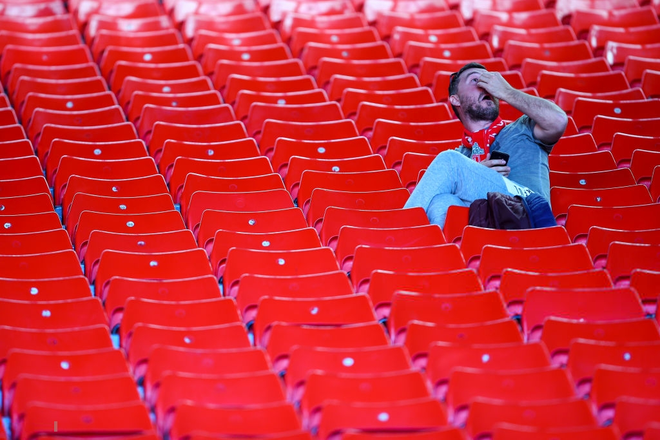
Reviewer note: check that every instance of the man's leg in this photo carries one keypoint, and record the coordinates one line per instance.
(453, 179)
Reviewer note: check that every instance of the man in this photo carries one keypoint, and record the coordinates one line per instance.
(460, 177)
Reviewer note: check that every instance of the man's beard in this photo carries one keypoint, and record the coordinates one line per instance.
(477, 112)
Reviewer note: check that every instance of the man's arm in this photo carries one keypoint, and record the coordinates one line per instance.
(550, 120)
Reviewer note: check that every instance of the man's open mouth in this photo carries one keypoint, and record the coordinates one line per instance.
(486, 97)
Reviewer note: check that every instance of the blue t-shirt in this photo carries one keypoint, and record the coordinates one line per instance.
(528, 156)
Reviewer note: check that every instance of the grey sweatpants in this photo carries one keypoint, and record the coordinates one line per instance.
(454, 179)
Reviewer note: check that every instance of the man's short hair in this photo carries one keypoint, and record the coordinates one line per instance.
(456, 76)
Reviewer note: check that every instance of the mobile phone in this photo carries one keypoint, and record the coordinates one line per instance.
(497, 155)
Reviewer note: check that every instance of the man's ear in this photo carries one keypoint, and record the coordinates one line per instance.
(453, 100)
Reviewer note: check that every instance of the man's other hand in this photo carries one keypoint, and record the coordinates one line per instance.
(498, 165)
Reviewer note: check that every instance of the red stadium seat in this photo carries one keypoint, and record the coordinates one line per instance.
(420, 335)
(164, 360)
(586, 355)
(304, 160)
(515, 53)
(486, 416)
(190, 314)
(635, 66)
(514, 283)
(266, 200)
(635, 415)
(337, 151)
(484, 19)
(384, 284)
(562, 198)
(152, 39)
(592, 180)
(417, 259)
(581, 218)
(612, 382)
(92, 101)
(351, 236)
(43, 315)
(600, 35)
(215, 52)
(583, 18)
(444, 357)
(145, 337)
(195, 99)
(224, 240)
(623, 146)
(500, 34)
(414, 52)
(549, 82)
(267, 419)
(616, 53)
(506, 431)
(313, 52)
(368, 112)
(583, 162)
(260, 112)
(530, 385)
(371, 388)
(273, 129)
(592, 304)
(97, 22)
(387, 21)
(204, 37)
(182, 289)
(475, 238)
(38, 24)
(43, 56)
(186, 85)
(344, 181)
(109, 391)
(460, 308)
(338, 83)
(245, 98)
(373, 8)
(549, 259)
(85, 118)
(161, 72)
(33, 243)
(585, 110)
(270, 69)
(333, 311)
(284, 338)
(559, 332)
(531, 68)
(304, 360)
(289, 84)
(254, 222)
(402, 35)
(294, 262)
(428, 131)
(248, 22)
(358, 68)
(295, 20)
(605, 127)
(76, 86)
(335, 218)
(651, 83)
(320, 285)
(565, 98)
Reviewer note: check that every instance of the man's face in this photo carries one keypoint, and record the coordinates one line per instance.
(475, 102)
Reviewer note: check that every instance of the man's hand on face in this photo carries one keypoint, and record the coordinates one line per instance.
(498, 165)
(494, 84)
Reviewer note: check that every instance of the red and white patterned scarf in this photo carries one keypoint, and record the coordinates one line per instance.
(481, 141)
